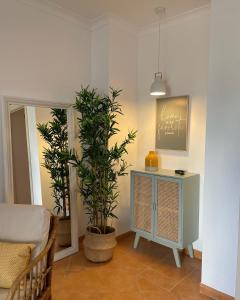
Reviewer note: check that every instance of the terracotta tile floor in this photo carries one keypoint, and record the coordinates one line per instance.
(148, 272)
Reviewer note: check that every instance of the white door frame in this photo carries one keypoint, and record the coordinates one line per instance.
(8, 171)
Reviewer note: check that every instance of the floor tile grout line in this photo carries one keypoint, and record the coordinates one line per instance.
(68, 267)
(162, 288)
(167, 276)
(138, 287)
(185, 277)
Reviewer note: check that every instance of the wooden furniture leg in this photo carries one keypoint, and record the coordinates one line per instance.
(177, 257)
(190, 250)
(136, 241)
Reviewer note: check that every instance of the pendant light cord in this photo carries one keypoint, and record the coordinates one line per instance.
(158, 87)
(159, 37)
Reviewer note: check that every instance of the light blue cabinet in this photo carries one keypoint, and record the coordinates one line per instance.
(165, 209)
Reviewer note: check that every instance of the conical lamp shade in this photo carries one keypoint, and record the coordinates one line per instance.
(158, 87)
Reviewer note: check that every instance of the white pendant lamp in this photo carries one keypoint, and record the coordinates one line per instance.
(158, 87)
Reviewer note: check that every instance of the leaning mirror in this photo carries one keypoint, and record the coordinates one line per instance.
(39, 139)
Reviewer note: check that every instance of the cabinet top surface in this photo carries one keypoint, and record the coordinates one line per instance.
(165, 173)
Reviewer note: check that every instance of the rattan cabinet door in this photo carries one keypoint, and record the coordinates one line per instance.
(142, 202)
(167, 210)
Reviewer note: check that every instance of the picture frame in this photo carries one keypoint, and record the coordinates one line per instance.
(172, 123)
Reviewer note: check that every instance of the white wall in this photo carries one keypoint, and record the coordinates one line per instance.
(99, 56)
(184, 62)
(222, 171)
(115, 44)
(42, 55)
(123, 75)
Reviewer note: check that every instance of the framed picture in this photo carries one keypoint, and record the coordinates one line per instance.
(172, 123)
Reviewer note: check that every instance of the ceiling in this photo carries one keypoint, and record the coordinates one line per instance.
(138, 12)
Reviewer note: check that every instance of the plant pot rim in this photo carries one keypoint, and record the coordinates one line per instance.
(99, 234)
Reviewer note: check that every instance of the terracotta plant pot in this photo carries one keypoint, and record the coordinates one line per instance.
(64, 233)
(99, 247)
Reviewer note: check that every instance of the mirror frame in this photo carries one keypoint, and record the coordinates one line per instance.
(8, 170)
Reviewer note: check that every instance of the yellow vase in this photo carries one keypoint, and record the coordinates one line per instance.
(151, 161)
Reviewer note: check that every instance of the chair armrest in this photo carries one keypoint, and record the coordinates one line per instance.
(35, 281)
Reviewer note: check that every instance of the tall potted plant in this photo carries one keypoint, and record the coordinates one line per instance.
(99, 167)
(56, 156)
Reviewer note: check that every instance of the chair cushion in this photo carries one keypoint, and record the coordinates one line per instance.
(25, 224)
(14, 258)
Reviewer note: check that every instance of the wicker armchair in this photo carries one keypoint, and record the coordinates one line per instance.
(34, 283)
(34, 225)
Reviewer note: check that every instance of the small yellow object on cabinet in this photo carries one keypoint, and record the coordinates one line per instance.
(151, 161)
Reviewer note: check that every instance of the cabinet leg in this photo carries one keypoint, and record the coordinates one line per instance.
(136, 241)
(190, 251)
(177, 257)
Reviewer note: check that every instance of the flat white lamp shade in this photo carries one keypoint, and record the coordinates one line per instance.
(158, 87)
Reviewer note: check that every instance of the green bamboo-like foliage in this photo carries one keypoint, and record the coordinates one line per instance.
(56, 158)
(100, 165)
